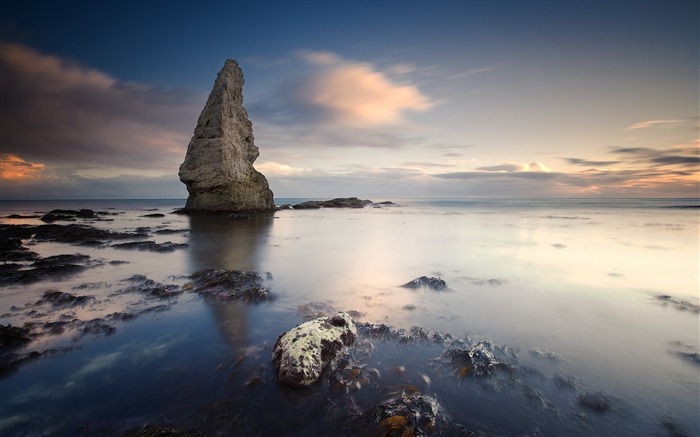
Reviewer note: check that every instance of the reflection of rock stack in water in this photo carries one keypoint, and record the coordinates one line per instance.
(219, 242)
(218, 168)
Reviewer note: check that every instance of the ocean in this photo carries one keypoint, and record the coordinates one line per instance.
(591, 304)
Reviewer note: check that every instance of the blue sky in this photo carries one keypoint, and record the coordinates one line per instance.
(379, 99)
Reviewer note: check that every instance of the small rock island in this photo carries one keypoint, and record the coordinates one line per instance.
(218, 168)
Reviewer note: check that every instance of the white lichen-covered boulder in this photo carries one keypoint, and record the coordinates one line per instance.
(303, 353)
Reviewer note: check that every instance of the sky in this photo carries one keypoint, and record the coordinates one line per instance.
(376, 99)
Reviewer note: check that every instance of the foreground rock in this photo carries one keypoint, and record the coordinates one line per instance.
(218, 168)
(411, 415)
(302, 354)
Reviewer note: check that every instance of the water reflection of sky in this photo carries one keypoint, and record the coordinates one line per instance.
(579, 282)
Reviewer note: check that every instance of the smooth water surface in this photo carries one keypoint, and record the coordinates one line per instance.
(570, 286)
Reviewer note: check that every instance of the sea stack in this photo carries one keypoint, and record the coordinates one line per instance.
(218, 168)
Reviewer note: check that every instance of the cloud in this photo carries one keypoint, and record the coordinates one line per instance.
(683, 155)
(656, 123)
(510, 167)
(63, 186)
(13, 167)
(590, 163)
(343, 93)
(66, 115)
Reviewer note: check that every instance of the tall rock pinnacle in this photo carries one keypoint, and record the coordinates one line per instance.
(218, 168)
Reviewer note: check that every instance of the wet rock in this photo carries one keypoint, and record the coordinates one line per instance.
(97, 326)
(151, 246)
(11, 249)
(302, 354)
(340, 202)
(71, 233)
(13, 337)
(477, 360)
(598, 402)
(154, 215)
(152, 288)
(62, 299)
(410, 415)
(436, 284)
(52, 267)
(230, 285)
(50, 217)
(681, 305)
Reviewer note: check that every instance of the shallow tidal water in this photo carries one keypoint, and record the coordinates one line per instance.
(568, 290)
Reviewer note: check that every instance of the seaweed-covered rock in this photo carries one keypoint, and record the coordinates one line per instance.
(230, 285)
(478, 360)
(152, 288)
(302, 354)
(61, 299)
(436, 284)
(410, 415)
(51, 267)
(151, 246)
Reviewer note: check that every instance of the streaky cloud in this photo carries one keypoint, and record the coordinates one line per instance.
(64, 114)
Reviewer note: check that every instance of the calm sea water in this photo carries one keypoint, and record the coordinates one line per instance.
(569, 286)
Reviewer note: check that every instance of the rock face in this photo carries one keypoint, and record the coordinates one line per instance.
(303, 353)
(218, 168)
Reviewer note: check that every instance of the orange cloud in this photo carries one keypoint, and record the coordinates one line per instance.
(12, 167)
(356, 93)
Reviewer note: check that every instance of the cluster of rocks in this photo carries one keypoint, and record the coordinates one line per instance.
(314, 348)
(340, 202)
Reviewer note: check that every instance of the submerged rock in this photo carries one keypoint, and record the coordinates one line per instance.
(151, 246)
(302, 354)
(230, 285)
(218, 168)
(436, 284)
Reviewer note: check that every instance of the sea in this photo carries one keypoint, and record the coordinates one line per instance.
(591, 304)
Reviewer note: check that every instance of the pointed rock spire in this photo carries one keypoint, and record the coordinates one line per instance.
(218, 168)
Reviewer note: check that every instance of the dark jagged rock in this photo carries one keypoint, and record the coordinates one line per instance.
(477, 360)
(432, 283)
(341, 202)
(62, 299)
(230, 285)
(152, 288)
(52, 267)
(302, 354)
(410, 415)
(218, 168)
(11, 249)
(71, 233)
(13, 337)
(151, 246)
(50, 217)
